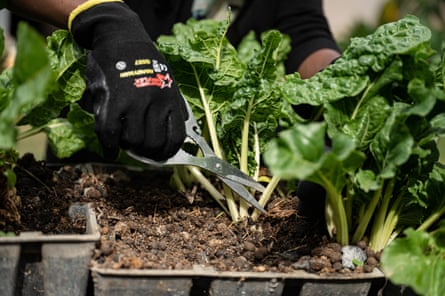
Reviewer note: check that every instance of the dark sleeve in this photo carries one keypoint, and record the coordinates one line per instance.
(159, 16)
(304, 21)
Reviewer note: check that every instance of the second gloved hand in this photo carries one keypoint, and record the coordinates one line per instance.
(136, 103)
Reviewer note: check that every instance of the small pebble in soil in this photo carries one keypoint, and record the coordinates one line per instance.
(302, 263)
(352, 255)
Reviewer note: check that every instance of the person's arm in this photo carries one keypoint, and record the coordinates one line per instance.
(313, 45)
(54, 12)
(317, 61)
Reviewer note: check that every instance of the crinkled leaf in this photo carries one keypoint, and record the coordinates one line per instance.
(322, 88)
(232, 86)
(392, 146)
(360, 120)
(257, 99)
(202, 59)
(406, 36)
(351, 73)
(76, 132)
(68, 61)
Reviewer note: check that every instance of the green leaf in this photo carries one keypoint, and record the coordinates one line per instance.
(383, 110)
(392, 145)
(361, 120)
(30, 80)
(416, 260)
(326, 86)
(8, 159)
(76, 132)
(406, 36)
(226, 87)
(364, 57)
(257, 100)
(68, 61)
(298, 152)
(62, 139)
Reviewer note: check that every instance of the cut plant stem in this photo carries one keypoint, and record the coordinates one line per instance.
(207, 185)
(177, 180)
(230, 200)
(266, 195)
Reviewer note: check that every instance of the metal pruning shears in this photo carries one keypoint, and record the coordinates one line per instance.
(231, 176)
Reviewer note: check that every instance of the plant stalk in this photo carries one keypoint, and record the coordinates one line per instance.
(217, 196)
(433, 218)
(29, 133)
(266, 195)
(339, 213)
(382, 212)
(366, 218)
(244, 157)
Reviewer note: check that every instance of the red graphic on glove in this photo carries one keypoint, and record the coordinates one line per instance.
(160, 80)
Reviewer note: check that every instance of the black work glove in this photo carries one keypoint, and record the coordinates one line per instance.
(137, 105)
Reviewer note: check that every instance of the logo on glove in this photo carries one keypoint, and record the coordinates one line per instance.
(160, 80)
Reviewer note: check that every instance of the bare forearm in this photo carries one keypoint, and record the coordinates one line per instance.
(317, 61)
(54, 12)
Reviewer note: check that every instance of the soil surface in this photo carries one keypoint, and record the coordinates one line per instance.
(145, 224)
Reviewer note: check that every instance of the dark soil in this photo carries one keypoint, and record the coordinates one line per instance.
(145, 224)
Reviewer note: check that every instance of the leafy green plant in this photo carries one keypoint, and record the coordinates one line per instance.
(233, 92)
(382, 105)
(46, 77)
(417, 261)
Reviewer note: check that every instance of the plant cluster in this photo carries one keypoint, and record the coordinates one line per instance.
(374, 149)
(235, 94)
(46, 78)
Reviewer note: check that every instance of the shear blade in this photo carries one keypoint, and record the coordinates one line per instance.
(243, 193)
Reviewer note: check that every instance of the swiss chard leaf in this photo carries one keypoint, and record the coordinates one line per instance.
(257, 101)
(204, 63)
(235, 92)
(386, 95)
(416, 260)
(68, 61)
(29, 82)
(69, 135)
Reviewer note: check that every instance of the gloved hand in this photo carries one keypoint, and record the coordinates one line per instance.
(130, 89)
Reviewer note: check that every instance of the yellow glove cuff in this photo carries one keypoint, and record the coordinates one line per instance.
(85, 6)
